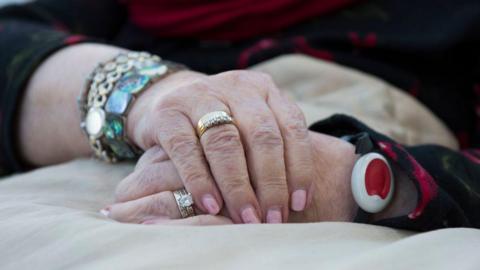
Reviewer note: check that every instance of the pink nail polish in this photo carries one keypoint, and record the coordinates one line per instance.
(299, 200)
(274, 215)
(105, 211)
(211, 204)
(249, 215)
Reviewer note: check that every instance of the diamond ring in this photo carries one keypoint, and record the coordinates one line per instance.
(184, 202)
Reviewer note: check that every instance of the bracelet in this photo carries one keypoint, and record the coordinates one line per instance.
(108, 95)
(372, 180)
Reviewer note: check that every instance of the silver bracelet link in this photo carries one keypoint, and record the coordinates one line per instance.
(109, 93)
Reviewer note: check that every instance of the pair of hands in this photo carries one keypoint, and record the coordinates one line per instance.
(266, 168)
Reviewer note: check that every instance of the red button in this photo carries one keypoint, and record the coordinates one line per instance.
(377, 178)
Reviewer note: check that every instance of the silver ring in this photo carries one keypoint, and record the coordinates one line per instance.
(184, 202)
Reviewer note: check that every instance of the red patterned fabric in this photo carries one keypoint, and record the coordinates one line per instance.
(225, 19)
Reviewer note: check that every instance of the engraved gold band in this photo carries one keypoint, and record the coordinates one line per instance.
(213, 119)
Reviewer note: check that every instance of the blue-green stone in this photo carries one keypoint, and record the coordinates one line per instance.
(113, 128)
(132, 83)
(121, 149)
(117, 102)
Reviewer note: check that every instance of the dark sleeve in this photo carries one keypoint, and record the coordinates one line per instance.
(447, 181)
(31, 32)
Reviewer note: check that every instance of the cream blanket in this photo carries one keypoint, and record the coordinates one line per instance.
(49, 217)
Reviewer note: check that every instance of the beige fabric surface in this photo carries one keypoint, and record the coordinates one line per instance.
(322, 89)
(49, 217)
(49, 220)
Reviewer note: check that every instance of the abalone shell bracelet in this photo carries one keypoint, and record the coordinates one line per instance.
(109, 92)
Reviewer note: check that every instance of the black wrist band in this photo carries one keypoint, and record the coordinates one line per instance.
(363, 145)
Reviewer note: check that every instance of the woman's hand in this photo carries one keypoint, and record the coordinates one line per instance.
(267, 151)
(146, 193)
(266, 155)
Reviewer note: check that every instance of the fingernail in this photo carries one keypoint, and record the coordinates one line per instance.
(274, 215)
(105, 211)
(156, 220)
(249, 215)
(211, 204)
(299, 199)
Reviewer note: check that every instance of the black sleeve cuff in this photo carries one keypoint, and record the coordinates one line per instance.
(24, 46)
(435, 207)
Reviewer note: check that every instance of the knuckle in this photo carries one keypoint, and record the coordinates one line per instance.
(296, 130)
(296, 113)
(278, 183)
(189, 158)
(273, 192)
(295, 126)
(182, 145)
(303, 174)
(266, 82)
(222, 140)
(193, 176)
(235, 187)
(265, 135)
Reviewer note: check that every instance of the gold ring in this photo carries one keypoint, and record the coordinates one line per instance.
(213, 119)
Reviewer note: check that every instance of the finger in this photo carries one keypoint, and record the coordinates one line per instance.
(175, 133)
(159, 205)
(155, 154)
(148, 179)
(298, 149)
(224, 151)
(265, 155)
(200, 220)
